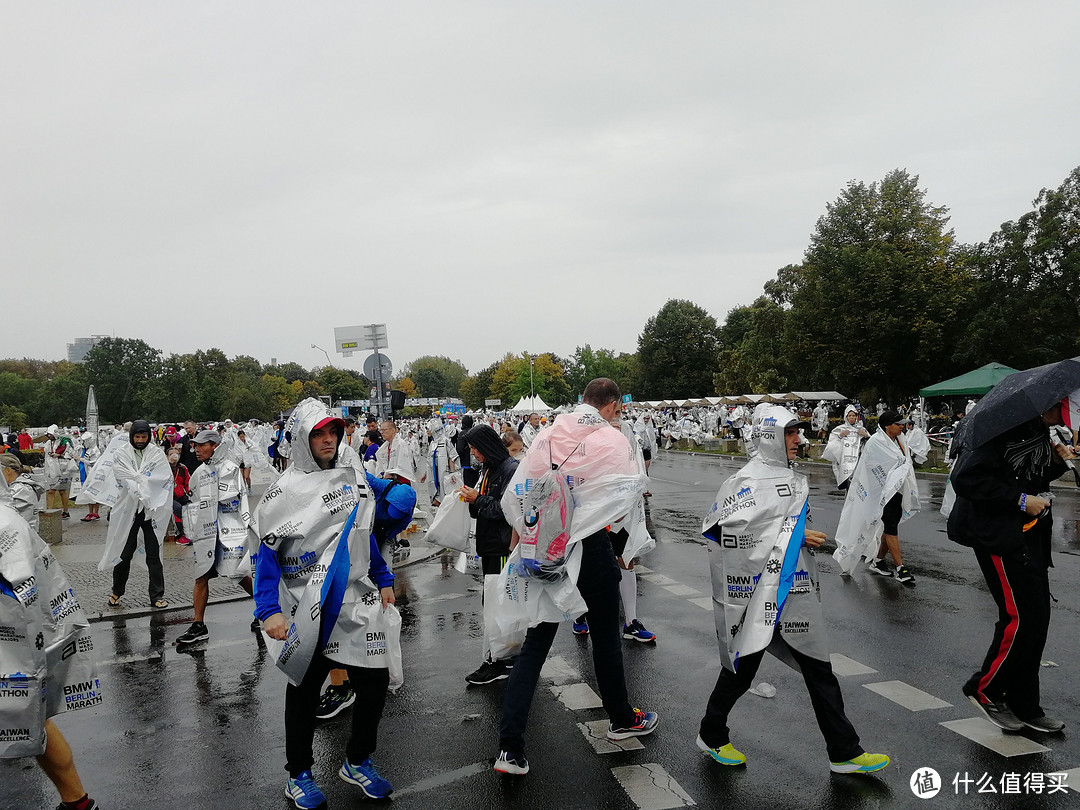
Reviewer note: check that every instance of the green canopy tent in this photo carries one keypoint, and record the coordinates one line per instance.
(976, 382)
(979, 381)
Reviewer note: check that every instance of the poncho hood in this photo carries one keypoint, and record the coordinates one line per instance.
(767, 434)
(303, 420)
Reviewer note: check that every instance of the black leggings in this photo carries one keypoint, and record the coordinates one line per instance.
(370, 686)
(890, 515)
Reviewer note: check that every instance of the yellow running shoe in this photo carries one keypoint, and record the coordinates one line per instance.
(725, 754)
(863, 763)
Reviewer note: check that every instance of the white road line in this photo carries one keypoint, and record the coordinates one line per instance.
(131, 659)
(990, 736)
(641, 569)
(557, 669)
(846, 667)
(650, 787)
(446, 597)
(596, 733)
(907, 695)
(705, 602)
(577, 696)
(1072, 779)
(682, 590)
(443, 779)
(659, 579)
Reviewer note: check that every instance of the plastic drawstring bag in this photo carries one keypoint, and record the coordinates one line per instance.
(548, 512)
(450, 527)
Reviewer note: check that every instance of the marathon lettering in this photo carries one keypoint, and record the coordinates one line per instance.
(271, 493)
(8, 540)
(26, 591)
(10, 634)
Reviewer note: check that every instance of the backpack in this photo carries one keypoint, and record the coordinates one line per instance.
(548, 512)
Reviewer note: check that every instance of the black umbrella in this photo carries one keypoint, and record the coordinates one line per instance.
(1018, 398)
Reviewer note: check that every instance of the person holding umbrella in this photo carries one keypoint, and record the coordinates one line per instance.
(1002, 476)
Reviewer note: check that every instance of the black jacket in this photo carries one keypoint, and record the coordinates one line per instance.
(492, 530)
(987, 516)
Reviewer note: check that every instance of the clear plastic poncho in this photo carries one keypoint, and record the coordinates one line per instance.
(883, 471)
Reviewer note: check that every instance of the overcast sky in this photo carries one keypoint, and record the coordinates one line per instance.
(484, 177)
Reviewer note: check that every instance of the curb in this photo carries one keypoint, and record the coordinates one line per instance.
(138, 612)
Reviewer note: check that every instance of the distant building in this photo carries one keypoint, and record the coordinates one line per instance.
(77, 351)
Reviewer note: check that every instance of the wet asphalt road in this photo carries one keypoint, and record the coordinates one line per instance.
(203, 729)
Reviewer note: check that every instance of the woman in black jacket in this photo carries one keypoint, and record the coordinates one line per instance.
(493, 532)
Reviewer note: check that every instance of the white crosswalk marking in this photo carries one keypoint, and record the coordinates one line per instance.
(659, 579)
(907, 695)
(557, 669)
(444, 597)
(990, 736)
(682, 590)
(650, 787)
(705, 602)
(577, 696)
(845, 667)
(1072, 779)
(596, 733)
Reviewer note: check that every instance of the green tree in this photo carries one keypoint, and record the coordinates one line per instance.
(342, 383)
(875, 305)
(476, 389)
(13, 418)
(678, 351)
(119, 368)
(751, 357)
(290, 372)
(1029, 273)
(436, 376)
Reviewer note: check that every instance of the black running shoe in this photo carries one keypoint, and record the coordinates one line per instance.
(489, 672)
(197, 632)
(334, 701)
(997, 713)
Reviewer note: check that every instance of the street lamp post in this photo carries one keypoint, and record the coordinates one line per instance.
(532, 396)
(321, 349)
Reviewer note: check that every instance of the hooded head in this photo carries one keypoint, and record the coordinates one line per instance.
(435, 427)
(53, 430)
(139, 426)
(306, 417)
(487, 442)
(467, 422)
(767, 434)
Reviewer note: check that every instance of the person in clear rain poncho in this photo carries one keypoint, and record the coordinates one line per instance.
(766, 594)
(845, 442)
(133, 479)
(325, 598)
(47, 652)
(216, 521)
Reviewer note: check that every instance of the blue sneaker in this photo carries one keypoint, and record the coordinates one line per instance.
(581, 628)
(643, 723)
(635, 631)
(304, 792)
(367, 778)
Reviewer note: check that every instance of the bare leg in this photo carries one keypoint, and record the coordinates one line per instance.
(201, 596)
(59, 765)
(338, 677)
(890, 543)
(246, 584)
